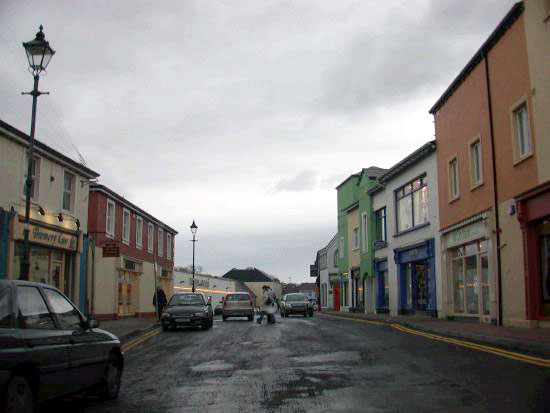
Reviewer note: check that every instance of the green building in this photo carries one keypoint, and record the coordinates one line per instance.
(355, 236)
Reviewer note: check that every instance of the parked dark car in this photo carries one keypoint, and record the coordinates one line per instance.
(238, 305)
(187, 310)
(296, 303)
(49, 349)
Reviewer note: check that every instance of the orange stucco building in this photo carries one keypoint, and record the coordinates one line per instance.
(489, 124)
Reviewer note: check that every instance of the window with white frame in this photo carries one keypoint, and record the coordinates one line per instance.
(341, 249)
(380, 225)
(364, 232)
(411, 203)
(476, 170)
(335, 258)
(139, 232)
(110, 219)
(453, 179)
(150, 236)
(523, 137)
(355, 238)
(161, 242)
(125, 226)
(35, 175)
(68, 191)
(168, 245)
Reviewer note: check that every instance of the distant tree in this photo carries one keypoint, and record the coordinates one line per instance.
(199, 269)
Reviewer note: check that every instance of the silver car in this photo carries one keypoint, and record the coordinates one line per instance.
(238, 305)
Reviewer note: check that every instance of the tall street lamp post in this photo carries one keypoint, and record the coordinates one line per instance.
(39, 54)
(193, 231)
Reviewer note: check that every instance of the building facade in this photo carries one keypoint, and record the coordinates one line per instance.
(58, 214)
(407, 236)
(491, 130)
(131, 252)
(349, 259)
(209, 285)
(328, 274)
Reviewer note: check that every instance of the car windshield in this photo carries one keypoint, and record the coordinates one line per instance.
(186, 299)
(296, 297)
(238, 297)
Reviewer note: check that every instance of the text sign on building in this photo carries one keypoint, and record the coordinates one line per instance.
(52, 238)
(466, 234)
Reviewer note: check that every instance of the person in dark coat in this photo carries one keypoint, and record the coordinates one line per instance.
(159, 294)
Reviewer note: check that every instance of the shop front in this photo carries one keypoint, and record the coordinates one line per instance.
(534, 216)
(468, 271)
(383, 291)
(53, 256)
(334, 291)
(357, 291)
(416, 278)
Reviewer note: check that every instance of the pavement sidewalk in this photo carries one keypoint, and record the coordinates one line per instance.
(534, 341)
(129, 327)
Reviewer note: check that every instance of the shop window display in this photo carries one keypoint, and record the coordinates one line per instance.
(471, 279)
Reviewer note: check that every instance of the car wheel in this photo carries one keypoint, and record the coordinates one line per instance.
(311, 313)
(18, 396)
(224, 318)
(110, 383)
(250, 318)
(165, 327)
(305, 314)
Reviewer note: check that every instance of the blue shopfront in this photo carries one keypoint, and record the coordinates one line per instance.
(416, 278)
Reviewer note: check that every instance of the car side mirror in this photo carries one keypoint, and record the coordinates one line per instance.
(93, 323)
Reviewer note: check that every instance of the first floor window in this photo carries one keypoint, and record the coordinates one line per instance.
(126, 226)
(160, 243)
(68, 191)
(168, 245)
(110, 219)
(35, 177)
(412, 204)
(150, 235)
(355, 238)
(341, 249)
(380, 229)
(453, 179)
(476, 172)
(139, 232)
(523, 138)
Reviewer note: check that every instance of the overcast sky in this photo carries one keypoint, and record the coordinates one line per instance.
(241, 115)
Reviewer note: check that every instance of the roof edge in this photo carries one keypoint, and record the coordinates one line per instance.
(416, 156)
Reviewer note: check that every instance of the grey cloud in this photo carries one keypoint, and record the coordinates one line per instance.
(410, 57)
(303, 181)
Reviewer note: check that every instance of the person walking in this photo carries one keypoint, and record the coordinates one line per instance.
(160, 298)
(269, 305)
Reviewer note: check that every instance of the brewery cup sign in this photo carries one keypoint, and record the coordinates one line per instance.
(52, 238)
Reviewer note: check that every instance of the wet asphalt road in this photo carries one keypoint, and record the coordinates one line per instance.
(317, 365)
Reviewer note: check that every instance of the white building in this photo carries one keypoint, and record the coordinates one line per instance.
(328, 272)
(209, 285)
(407, 256)
(58, 214)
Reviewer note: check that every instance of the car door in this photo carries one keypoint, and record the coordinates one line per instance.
(48, 347)
(88, 355)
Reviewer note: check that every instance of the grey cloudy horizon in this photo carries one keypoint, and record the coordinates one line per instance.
(243, 116)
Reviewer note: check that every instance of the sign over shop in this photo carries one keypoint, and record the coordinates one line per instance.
(52, 238)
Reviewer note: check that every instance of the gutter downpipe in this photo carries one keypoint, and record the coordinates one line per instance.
(495, 189)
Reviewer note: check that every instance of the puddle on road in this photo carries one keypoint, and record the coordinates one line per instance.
(338, 356)
(214, 365)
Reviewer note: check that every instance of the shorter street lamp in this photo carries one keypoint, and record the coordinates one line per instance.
(194, 231)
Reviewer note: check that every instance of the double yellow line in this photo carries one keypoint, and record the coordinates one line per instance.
(537, 361)
(132, 343)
